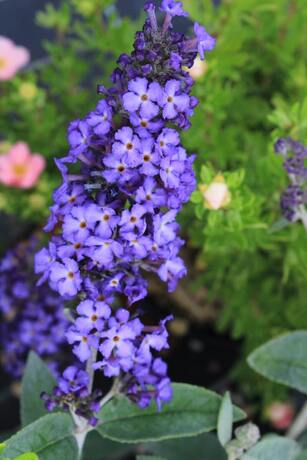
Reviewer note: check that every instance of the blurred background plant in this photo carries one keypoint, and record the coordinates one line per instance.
(247, 270)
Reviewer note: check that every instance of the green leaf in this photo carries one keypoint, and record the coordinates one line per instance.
(50, 437)
(273, 448)
(148, 457)
(283, 360)
(193, 410)
(98, 448)
(225, 420)
(28, 456)
(2, 447)
(302, 455)
(202, 447)
(37, 378)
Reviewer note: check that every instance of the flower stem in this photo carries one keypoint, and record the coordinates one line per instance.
(90, 370)
(113, 391)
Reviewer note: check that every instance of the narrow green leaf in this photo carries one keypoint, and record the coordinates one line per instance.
(225, 420)
(50, 437)
(273, 448)
(2, 447)
(202, 447)
(283, 360)
(37, 378)
(193, 410)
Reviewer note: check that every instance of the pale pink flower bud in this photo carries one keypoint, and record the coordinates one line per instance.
(280, 415)
(198, 69)
(217, 194)
(19, 168)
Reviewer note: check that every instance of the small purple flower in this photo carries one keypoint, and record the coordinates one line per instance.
(44, 260)
(107, 221)
(165, 227)
(100, 120)
(79, 136)
(72, 248)
(92, 315)
(164, 392)
(68, 196)
(171, 271)
(156, 340)
(127, 146)
(138, 246)
(82, 341)
(144, 126)
(133, 219)
(170, 171)
(120, 336)
(174, 100)
(104, 251)
(118, 170)
(66, 277)
(142, 96)
(73, 380)
(79, 222)
(281, 146)
(205, 42)
(150, 195)
(168, 139)
(173, 8)
(149, 157)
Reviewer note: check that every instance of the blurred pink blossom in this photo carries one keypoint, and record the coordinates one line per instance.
(280, 414)
(19, 168)
(12, 58)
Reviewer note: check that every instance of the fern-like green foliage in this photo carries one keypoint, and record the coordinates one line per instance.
(253, 91)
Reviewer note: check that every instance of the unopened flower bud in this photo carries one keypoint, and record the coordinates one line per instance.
(280, 415)
(217, 194)
(198, 69)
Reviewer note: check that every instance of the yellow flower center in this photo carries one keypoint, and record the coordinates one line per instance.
(2, 63)
(20, 170)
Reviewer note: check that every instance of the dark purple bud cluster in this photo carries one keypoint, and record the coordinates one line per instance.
(72, 392)
(125, 179)
(31, 318)
(294, 199)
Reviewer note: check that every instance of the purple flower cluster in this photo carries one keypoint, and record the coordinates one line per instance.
(31, 318)
(125, 178)
(294, 198)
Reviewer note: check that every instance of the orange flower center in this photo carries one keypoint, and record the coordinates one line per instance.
(20, 170)
(2, 63)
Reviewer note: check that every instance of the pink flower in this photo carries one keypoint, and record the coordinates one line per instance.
(12, 58)
(19, 168)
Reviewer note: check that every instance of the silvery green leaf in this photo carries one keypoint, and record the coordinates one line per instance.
(283, 360)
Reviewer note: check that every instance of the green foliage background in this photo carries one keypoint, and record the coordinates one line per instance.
(254, 90)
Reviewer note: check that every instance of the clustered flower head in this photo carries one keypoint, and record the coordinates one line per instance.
(294, 198)
(125, 178)
(31, 318)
